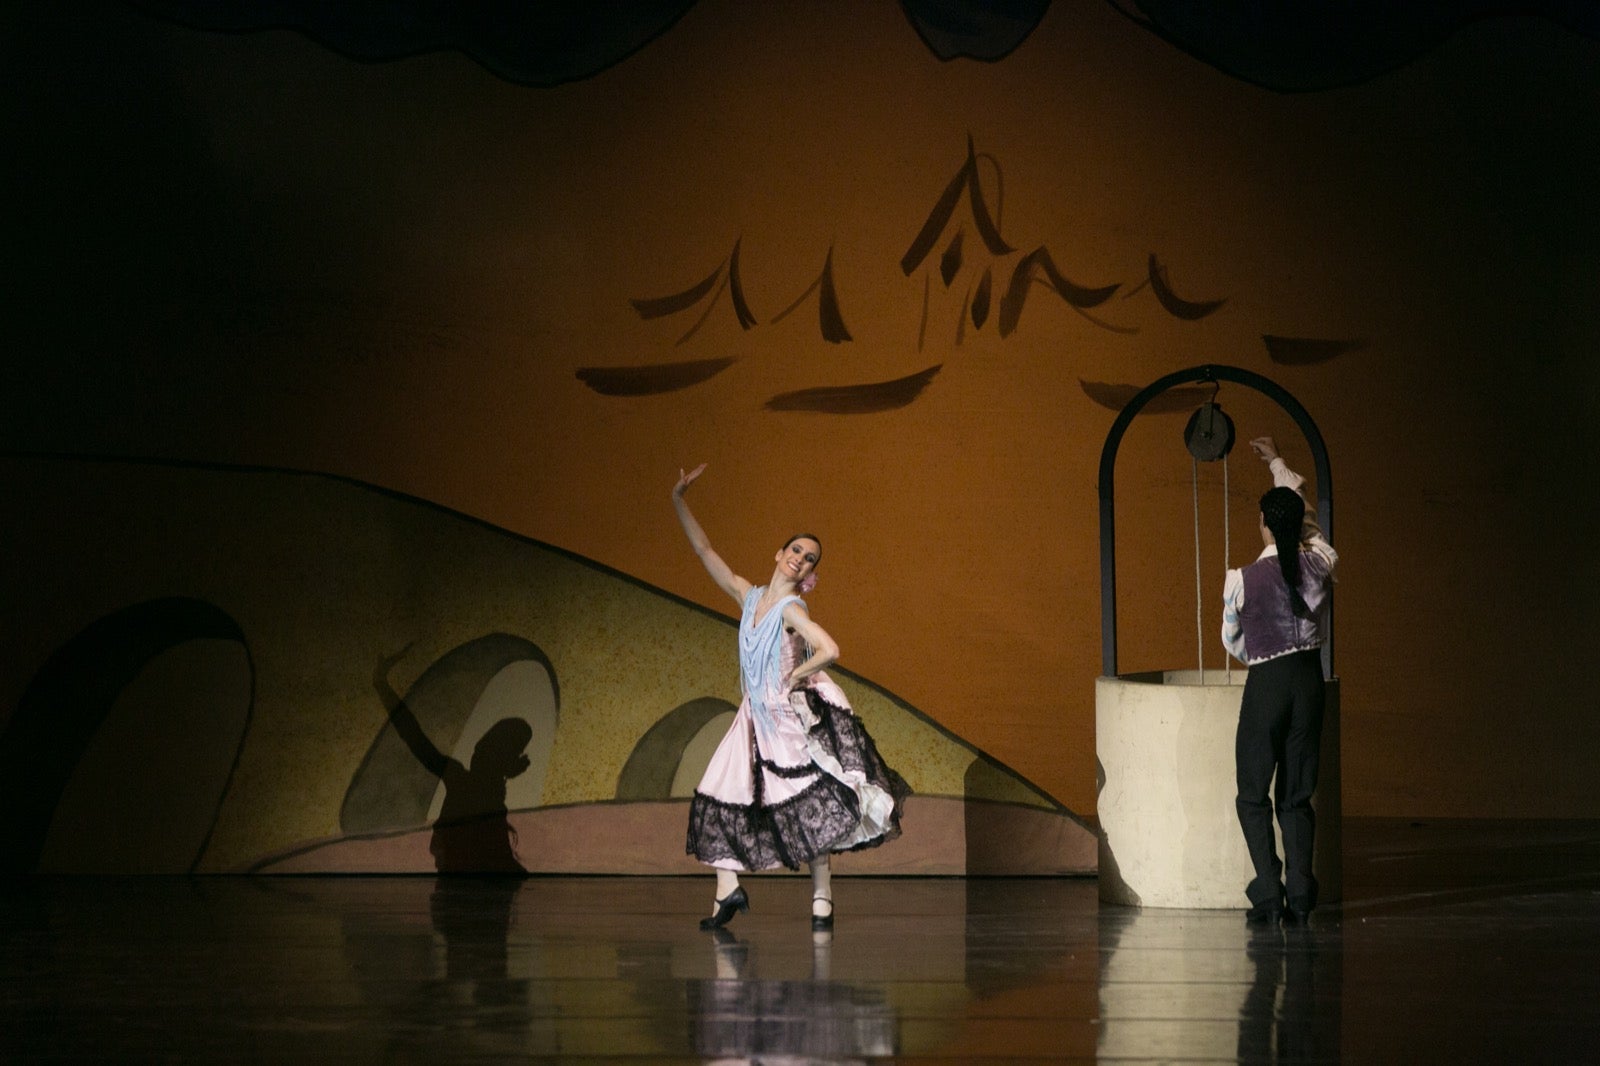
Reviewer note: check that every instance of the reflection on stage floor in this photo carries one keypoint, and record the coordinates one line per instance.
(1456, 943)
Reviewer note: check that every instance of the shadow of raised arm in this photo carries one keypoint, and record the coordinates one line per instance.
(404, 721)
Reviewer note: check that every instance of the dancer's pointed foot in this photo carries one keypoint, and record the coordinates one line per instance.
(821, 914)
(726, 907)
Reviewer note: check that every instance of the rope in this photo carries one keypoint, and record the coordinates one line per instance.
(1199, 621)
(1227, 554)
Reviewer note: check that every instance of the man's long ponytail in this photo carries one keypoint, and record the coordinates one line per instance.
(1283, 511)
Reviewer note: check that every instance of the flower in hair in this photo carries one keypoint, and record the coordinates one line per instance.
(808, 583)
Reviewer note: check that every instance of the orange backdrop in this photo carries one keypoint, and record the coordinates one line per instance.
(248, 249)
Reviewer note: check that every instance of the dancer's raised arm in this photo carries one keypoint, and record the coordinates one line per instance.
(1311, 537)
(726, 579)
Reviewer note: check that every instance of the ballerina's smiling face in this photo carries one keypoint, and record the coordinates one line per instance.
(799, 557)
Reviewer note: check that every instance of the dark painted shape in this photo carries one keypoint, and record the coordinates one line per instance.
(1315, 44)
(988, 788)
(711, 305)
(856, 399)
(1116, 396)
(661, 306)
(741, 306)
(1323, 44)
(988, 779)
(987, 30)
(649, 771)
(651, 379)
(544, 43)
(980, 299)
(1306, 351)
(393, 787)
(69, 698)
(922, 323)
(950, 261)
(938, 220)
(829, 318)
(1176, 306)
(1026, 273)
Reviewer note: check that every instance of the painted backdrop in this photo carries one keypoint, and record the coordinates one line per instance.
(890, 269)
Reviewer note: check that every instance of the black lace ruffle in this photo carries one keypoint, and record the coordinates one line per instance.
(760, 836)
(842, 733)
(787, 771)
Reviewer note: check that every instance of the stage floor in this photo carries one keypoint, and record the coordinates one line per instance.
(1457, 942)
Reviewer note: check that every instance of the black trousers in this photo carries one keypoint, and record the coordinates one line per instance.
(1278, 745)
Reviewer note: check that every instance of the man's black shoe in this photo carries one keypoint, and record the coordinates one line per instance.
(1264, 913)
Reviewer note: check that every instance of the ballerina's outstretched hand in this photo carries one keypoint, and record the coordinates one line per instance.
(731, 583)
(685, 480)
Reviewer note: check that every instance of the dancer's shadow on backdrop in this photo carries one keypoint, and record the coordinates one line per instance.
(472, 833)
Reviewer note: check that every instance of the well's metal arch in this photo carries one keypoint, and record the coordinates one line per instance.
(1108, 460)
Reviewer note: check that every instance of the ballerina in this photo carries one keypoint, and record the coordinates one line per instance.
(797, 777)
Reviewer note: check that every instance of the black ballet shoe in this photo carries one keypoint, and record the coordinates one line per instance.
(821, 923)
(726, 906)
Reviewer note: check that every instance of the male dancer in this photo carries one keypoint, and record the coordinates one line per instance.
(1274, 620)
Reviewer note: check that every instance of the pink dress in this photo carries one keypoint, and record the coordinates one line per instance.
(797, 775)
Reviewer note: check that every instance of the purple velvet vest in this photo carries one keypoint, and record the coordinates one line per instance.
(1271, 628)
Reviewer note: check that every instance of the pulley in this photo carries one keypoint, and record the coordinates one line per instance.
(1209, 434)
